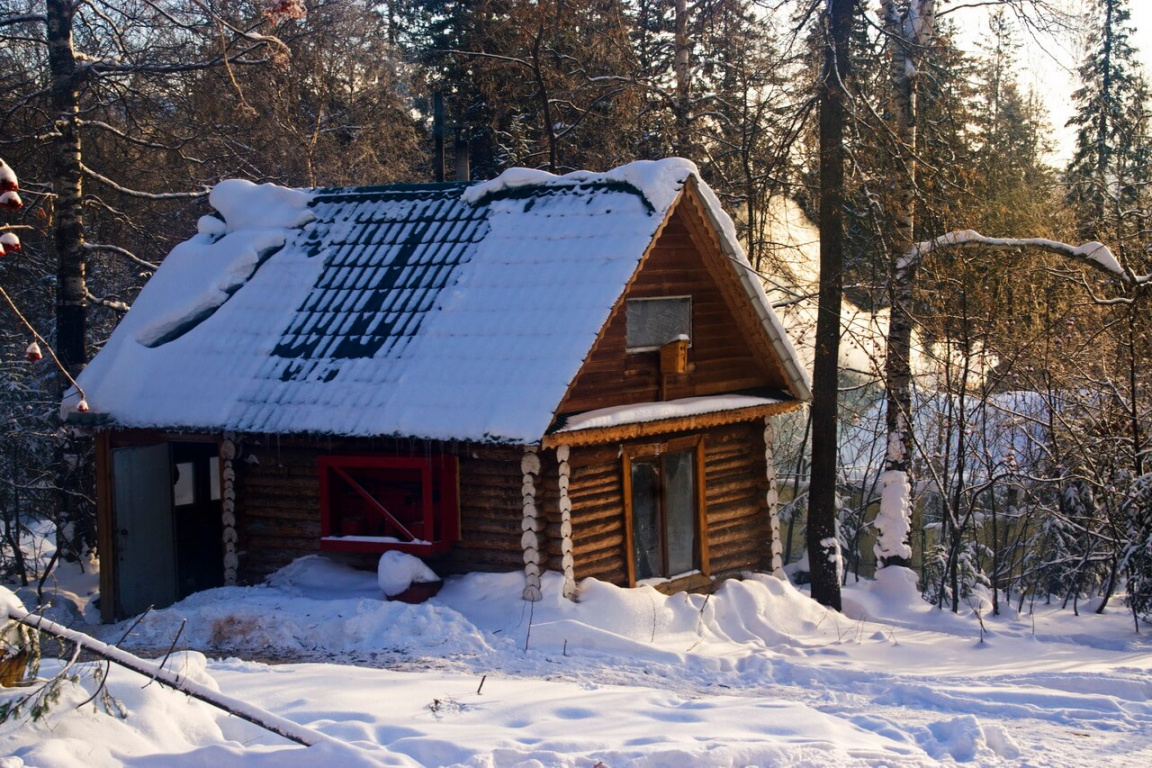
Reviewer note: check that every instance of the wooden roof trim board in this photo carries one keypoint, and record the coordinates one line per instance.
(624, 432)
(785, 355)
(744, 297)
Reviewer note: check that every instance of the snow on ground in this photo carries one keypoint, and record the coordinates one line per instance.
(754, 674)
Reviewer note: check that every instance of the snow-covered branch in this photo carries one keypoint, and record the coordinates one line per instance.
(112, 304)
(120, 252)
(23, 19)
(1096, 255)
(137, 193)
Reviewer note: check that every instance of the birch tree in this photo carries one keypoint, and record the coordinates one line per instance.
(910, 27)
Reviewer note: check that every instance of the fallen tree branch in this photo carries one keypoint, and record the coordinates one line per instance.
(281, 726)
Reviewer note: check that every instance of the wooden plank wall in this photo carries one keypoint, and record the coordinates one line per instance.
(739, 535)
(278, 501)
(723, 360)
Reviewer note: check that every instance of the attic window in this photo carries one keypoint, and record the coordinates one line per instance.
(378, 503)
(652, 323)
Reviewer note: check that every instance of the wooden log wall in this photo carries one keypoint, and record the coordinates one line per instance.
(739, 528)
(278, 502)
(723, 360)
(596, 490)
(736, 485)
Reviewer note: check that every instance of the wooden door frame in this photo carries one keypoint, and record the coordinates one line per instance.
(105, 442)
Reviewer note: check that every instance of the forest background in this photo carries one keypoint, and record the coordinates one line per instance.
(1028, 408)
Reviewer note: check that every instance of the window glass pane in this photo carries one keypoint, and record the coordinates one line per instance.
(656, 322)
(214, 477)
(184, 489)
(680, 510)
(646, 537)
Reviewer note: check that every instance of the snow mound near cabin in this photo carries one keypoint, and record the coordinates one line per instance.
(747, 632)
(287, 617)
(316, 608)
(398, 571)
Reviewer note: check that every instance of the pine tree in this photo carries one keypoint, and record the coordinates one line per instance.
(1111, 169)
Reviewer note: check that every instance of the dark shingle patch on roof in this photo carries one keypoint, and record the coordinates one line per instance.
(388, 252)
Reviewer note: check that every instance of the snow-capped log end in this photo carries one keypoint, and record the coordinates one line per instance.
(397, 571)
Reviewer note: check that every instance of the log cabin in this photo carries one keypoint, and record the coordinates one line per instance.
(575, 373)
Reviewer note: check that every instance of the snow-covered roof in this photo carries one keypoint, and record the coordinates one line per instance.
(446, 311)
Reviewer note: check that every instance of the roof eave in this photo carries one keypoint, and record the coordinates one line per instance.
(637, 430)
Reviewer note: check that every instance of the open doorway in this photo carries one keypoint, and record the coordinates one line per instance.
(167, 506)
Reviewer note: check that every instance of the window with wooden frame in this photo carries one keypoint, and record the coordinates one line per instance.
(664, 522)
(379, 503)
(653, 323)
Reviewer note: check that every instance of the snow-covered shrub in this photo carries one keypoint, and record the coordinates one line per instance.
(969, 577)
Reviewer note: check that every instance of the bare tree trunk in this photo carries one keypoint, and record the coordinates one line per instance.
(1134, 365)
(545, 101)
(823, 550)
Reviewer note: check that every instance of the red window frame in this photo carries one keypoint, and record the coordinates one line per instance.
(442, 517)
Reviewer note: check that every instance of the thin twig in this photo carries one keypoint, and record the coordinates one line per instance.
(41, 339)
(167, 655)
